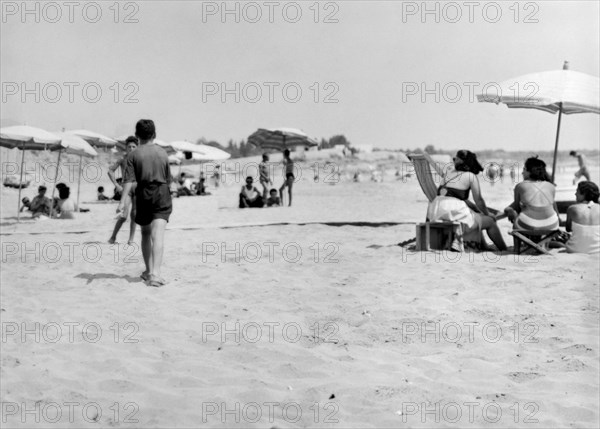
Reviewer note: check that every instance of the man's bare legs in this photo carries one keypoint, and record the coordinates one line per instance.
(288, 183)
(158, 243)
(132, 226)
(121, 221)
(153, 236)
(147, 249)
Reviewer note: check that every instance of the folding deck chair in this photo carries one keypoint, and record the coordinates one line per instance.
(436, 235)
(533, 240)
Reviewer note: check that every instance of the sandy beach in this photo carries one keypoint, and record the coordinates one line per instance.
(309, 316)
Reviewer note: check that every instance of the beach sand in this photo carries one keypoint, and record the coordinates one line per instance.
(272, 318)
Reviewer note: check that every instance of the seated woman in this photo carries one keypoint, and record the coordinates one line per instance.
(452, 203)
(66, 206)
(534, 207)
(583, 220)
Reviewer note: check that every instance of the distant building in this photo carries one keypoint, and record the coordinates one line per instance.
(363, 148)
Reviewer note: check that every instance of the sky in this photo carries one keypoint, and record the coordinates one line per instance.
(389, 74)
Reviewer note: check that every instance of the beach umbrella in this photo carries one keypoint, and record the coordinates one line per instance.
(94, 138)
(25, 137)
(166, 146)
(563, 91)
(200, 152)
(210, 153)
(280, 139)
(74, 145)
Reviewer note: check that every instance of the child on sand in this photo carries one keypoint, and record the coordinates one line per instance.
(148, 166)
(273, 200)
(128, 200)
(101, 196)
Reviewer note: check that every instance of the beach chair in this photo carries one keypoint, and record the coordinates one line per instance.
(536, 241)
(430, 235)
(434, 234)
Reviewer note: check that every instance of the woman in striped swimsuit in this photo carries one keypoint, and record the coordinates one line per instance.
(534, 207)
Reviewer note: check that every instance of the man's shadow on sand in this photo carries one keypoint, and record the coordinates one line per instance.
(104, 276)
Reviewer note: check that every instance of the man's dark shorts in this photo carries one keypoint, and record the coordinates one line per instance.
(153, 201)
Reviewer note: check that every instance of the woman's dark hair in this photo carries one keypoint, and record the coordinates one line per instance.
(64, 192)
(469, 162)
(537, 169)
(100, 188)
(589, 190)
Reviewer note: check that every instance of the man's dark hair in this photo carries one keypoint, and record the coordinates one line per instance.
(145, 130)
(42, 188)
(573, 153)
(100, 188)
(132, 139)
(537, 169)
(60, 185)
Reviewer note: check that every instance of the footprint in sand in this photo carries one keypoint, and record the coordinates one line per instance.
(522, 377)
(118, 386)
(578, 349)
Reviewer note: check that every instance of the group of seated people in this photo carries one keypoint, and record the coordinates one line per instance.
(250, 197)
(534, 206)
(62, 207)
(184, 186)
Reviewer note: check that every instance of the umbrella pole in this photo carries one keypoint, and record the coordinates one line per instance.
(556, 143)
(55, 179)
(79, 182)
(20, 184)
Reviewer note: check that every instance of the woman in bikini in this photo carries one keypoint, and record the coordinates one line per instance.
(583, 220)
(452, 203)
(534, 207)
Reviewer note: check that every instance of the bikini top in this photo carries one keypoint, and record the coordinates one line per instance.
(446, 191)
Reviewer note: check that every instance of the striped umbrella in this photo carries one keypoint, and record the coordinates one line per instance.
(25, 137)
(563, 91)
(280, 139)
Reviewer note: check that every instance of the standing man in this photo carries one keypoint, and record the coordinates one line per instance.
(148, 165)
(130, 145)
(583, 171)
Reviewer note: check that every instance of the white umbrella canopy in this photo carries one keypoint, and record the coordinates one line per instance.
(94, 138)
(74, 145)
(210, 153)
(166, 146)
(280, 138)
(550, 91)
(25, 137)
(563, 91)
(184, 146)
